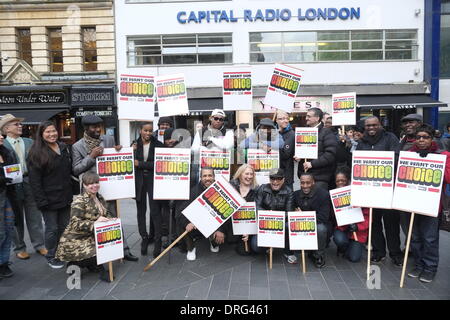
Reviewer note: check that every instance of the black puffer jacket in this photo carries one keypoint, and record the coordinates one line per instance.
(382, 141)
(317, 200)
(323, 167)
(287, 154)
(267, 199)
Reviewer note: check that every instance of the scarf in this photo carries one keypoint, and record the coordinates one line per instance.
(423, 153)
(373, 140)
(91, 143)
(99, 206)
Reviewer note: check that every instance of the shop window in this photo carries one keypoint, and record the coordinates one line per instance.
(181, 49)
(89, 41)
(24, 44)
(55, 49)
(353, 45)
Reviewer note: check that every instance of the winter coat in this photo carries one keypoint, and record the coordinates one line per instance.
(267, 199)
(363, 228)
(145, 166)
(287, 153)
(317, 200)
(250, 197)
(11, 190)
(78, 240)
(324, 166)
(51, 185)
(383, 141)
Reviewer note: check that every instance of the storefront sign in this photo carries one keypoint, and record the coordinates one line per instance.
(267, 15)
(92, 96)
(33, 98)
(419, 181)
(98, 113)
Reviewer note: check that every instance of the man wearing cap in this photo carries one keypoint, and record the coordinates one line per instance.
(275, 196)
(266, 137)
(324, 166)
(84, 154)
(12, 128)
(164, 123)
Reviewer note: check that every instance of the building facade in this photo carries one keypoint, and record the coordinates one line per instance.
(376, 48)
(58, 62)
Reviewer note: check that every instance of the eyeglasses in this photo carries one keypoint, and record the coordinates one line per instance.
(218, 119)
(423, 137)
(277, 178)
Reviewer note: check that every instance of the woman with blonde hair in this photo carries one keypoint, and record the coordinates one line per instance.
(244, 181)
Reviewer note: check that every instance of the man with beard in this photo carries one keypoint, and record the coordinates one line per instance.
(84, 154)
(377, 139)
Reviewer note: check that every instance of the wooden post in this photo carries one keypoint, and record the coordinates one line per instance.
(118, 216)
(306, 160)
(356, 237)
(165, 251)
(246, 246)
(405, 261)
(111, 274)
(270, 258)
(369, 244)
(303, 262)
(170, 226)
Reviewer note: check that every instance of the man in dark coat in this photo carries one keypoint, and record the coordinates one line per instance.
(310, 197)
(207, 178)
(377, 139)
(287, 151)
(324, 166)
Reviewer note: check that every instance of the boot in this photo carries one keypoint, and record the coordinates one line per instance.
(104, 274)
(157, 248)
(144, 245)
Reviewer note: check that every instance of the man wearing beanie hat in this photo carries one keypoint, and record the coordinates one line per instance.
(85, 152)
(164, 123)
(266, 137)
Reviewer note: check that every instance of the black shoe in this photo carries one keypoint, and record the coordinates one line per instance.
(5, 271)
(55, 263)
(427, 276)
(377, 259)
(157, 248)
(144, 246)
(398, 261)
(104, 275)
(319, 262)
(415, 273)
(129, 256)
(341, 251)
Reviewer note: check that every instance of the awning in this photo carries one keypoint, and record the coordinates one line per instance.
(397, 101)
(33, 116)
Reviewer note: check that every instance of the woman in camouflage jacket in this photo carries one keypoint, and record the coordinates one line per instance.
(77, 244)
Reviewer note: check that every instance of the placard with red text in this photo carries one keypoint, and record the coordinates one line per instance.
(344, 212)
(237, 89)
(244, 220)
(302, 230)
(306, 143)
(136, 97)
(343, 107)
(271, 229)
(172, 95)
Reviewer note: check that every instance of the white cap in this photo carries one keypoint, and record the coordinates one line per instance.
(218, 112)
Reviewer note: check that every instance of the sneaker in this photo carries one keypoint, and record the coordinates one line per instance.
(377, 259)
(320, 262)
(55, 263)
(191, 255)
(5, 271)
(415, 273)
(426, 276)
(398, 261)
(213, 249)
(291, 259)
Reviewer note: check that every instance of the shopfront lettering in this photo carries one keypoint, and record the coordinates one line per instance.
(32, 98)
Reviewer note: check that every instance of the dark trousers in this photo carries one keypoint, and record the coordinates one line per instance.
(155, 210)
(425, 242)
(56, 222)
(391, 221)
(352, 249)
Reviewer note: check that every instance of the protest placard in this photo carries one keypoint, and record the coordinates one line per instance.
(263, 162)
(283, 87)
(372, 179)
(214, 206)
(419, 181)
(306, 143)
(271, 229)
(13, 172)
(343, 109)
(172, 174)
(237, 89)
(108, 240)
(217, 159)
(244, 220)
(116, 171)
(136, 97)
(344, 212)
(172, 95)
(302, 230)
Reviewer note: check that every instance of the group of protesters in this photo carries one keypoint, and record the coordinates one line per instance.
(61, 226)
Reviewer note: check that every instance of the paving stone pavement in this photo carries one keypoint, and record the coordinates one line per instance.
(222, 276)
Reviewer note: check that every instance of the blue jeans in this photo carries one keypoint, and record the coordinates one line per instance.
(425, 242)
(6, 228)
(353, 249)
(56, 222)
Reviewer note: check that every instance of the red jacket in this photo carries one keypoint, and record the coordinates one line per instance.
(363, 228)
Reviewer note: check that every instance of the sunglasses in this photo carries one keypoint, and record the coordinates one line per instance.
(423, 137)
(218, 119)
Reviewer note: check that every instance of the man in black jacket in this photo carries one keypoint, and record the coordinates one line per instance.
(275, 196)
(377, 139)
(207, 178)
(324, 166)
(310, 197)
(287, 151)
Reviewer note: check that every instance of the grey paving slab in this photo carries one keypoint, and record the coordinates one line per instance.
(362, 294)
(221, 281)
(259, 293)
(218, 295)
(279, 290)
(239, 289)
(177, 294)
(339, 291)
(321, 295)
(299, 293)
(200, 289)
